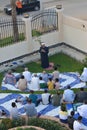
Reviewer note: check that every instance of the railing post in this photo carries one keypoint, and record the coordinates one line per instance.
(28, 33)
(59, 10)
(41, 5)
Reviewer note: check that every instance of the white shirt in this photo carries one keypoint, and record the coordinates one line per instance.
(78, 126)
(55, 74)
(14, 114)
(82, 110)
(45, 98)
(27, 75)
(83, 76)
(35, 83)
(68, 95)
(63, 115)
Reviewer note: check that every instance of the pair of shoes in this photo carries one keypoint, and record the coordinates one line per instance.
(39, 114)
(3, 113)
(16, 101)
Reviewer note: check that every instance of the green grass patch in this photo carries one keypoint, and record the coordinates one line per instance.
(10, 40)
(36, 33)
(67, 64)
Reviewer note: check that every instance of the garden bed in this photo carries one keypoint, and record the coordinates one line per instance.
(42, 123)
(27, 127)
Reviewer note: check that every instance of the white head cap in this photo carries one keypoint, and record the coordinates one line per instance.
(43, 43)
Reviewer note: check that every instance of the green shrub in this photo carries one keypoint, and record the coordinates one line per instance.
(36, 33)
(6, 124)
(26, 129)
(18, 122)
(85, 62)
(45, 123)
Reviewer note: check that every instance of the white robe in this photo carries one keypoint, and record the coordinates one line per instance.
(83, 76)
(35, 83)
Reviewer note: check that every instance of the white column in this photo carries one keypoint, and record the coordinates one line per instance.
(28, 33)
(41, 5)
(59, 10)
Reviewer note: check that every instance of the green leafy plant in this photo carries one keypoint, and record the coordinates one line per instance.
(9, 40)
(6, 124)
(36, 33)
(43, 123)
(85, 62)
(18, 122)
(26, 129)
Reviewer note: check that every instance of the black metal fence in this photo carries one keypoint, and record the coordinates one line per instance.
(7, 33)
(45, 21)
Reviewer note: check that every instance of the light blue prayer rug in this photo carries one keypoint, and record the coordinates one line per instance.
(65, 79)
(49, 110)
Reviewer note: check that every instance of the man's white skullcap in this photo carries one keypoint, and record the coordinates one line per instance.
(43, 43)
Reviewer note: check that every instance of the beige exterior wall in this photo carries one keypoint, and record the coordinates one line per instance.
(70, 30)
(75, 33)
(49, 38)
(13, 51)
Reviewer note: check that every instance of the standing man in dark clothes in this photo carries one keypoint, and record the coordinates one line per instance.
(44, 55)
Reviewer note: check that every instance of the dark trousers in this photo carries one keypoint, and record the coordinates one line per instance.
(19, 10)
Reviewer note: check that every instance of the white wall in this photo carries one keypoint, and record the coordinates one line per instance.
(71, 31)
(51, 38)
(13, 51)
(75, 33)
(22, 48)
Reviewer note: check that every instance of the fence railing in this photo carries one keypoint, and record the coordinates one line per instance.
(6, 31)
(45, 21)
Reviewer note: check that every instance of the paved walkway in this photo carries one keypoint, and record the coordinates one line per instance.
(75, 8)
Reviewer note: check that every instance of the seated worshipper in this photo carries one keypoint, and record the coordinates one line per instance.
(42, 83)
(63, 114)
(68, 95)
(45, 97)
(14, 113)
(82, 110)
(55, 73)
(56, 99)
(22, 100)
(57, 84)
(10, 78)
(50, 84)
(71, 120)
(44, 50)
(22, 83)
(81, 95)
(45, 76)
(83, 76)
(35, 83)
(77, 125)
(27, 75)
(34, 98)
(30, 109)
